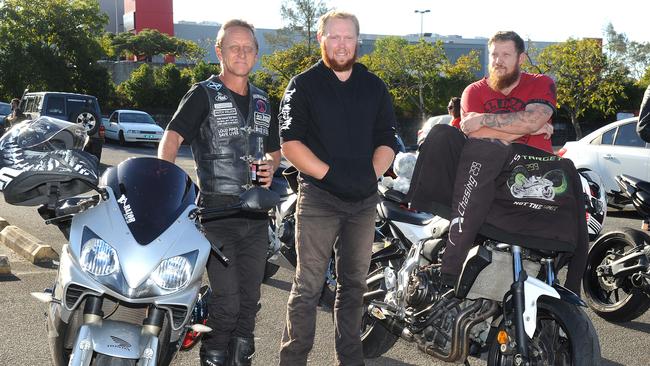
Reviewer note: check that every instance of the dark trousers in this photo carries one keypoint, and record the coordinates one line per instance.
(235, 288)
(320, 218)
(481, 162)
(441, 184)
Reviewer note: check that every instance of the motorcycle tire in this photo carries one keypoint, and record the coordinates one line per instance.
(564, 336)
(615, 301)
(375, 338)
(105, 360)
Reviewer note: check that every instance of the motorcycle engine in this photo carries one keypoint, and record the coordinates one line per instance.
(421, 290)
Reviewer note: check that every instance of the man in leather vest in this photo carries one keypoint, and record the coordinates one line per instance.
(228, 121)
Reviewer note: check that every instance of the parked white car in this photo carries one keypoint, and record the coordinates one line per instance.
(609, 151)
(125, 125)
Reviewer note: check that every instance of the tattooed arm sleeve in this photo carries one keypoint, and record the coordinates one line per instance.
(519, 123)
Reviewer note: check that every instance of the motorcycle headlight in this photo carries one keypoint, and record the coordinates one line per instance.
(99, 258)
(172, 273)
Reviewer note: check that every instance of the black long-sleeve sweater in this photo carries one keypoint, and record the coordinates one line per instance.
(342, 123)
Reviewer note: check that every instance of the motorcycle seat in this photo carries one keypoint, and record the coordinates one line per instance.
(394, 195)
(394, 212)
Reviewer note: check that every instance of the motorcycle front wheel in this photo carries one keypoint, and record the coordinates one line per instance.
(105, 360)
(615, 300)
(375, 338)
(564, 336)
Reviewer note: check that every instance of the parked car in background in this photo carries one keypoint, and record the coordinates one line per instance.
(72, 107)
(126, 125)
(426, 126)
(5, 110)
(609, 151)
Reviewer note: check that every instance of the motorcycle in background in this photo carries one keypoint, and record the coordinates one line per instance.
(617, 280)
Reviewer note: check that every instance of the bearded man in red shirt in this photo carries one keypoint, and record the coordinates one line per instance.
(505, 107)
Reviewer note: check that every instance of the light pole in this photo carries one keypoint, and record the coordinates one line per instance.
(422, 12)
(117, 21)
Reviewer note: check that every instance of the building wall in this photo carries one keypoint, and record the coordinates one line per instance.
(115, 10)
(153, 14)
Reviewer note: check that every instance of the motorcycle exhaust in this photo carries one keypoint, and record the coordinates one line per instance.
(378, 294)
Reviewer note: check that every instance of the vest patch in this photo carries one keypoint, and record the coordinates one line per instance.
(260, 96)
(225, 112)
(260, 105)
(213, 85)
(222, 105)
(263, 118)
(220, 97)
(229, 131)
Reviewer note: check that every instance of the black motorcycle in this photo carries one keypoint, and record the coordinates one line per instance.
(617, 280)
(507, 303)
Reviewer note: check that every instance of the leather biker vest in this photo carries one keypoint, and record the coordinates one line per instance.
(226, 143)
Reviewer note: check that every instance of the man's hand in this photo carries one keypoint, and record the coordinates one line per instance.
(471, 122)
(546, 130)
(265, 173)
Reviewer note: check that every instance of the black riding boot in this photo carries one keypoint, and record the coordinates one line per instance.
(241, 351)
(212, 358)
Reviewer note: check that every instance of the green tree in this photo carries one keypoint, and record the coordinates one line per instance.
(52, 45)
(151, 87)
(631, 55)
(140, 88)
(301, 17)
(151, 42)
(201, 71)
(280, 66)
(171, 85)
(585, 77)
(419, 76)
(645, 79)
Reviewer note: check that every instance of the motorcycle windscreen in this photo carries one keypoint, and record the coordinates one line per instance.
(151, 194)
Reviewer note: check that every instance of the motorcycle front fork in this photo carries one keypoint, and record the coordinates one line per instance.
(518, 301)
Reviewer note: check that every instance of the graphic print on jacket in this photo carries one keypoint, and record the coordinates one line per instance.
(529, 179)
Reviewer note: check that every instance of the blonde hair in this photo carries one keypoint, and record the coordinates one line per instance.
(235, 23)
(336, 14)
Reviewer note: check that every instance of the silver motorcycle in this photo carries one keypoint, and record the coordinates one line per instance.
(130, 277)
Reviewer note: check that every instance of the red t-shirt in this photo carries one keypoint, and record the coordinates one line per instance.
(532, 88)
(456, 123)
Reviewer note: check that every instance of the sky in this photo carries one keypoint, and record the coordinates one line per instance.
(546, 20)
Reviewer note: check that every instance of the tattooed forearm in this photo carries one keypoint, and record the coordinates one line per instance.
(523, 122)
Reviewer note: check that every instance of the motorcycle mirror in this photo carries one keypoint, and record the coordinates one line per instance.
(258, 199)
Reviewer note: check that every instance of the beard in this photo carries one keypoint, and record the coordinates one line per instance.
(500, 82)
(335, 65)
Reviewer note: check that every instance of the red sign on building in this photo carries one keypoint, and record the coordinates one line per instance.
(150, 14)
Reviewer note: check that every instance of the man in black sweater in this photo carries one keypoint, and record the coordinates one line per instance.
(337, 128)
